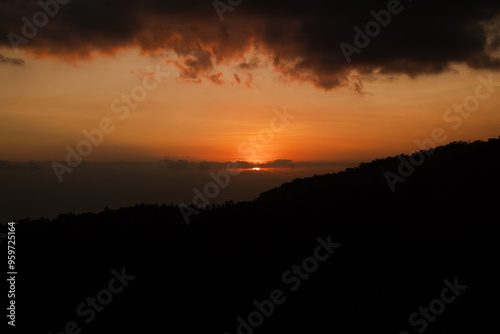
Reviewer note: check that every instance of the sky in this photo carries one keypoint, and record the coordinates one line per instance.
(221, 80)
(329, 81)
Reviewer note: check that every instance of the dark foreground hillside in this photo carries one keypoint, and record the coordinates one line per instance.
(423, 258)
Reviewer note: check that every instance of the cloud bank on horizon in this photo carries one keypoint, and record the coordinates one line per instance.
(299, 40)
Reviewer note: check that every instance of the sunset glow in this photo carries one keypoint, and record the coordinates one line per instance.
(283, 94)
(49, 106)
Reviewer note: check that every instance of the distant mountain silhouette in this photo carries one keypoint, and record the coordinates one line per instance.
(397, 249)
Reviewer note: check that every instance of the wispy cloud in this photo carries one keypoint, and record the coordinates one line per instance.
(11, 61)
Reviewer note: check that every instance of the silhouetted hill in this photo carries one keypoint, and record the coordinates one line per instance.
(456, 166)
(396, 250)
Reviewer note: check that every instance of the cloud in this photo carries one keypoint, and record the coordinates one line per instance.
(216, 78)
(300, 41)
(249, 80)
(204, 165)
(279, 163)
(177, 165)
(245, 164)
(29, 166)
(11, 61)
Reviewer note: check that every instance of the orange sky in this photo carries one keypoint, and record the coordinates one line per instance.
(47, 103)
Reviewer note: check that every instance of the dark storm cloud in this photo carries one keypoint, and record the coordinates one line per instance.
(301, 39)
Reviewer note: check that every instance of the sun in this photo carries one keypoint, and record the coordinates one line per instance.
(256, 168)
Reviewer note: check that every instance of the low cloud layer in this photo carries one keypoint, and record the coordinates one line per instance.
(179, 165)
(300, 40)
(32, 189)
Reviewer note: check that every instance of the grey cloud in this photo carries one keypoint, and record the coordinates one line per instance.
(302, 39)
